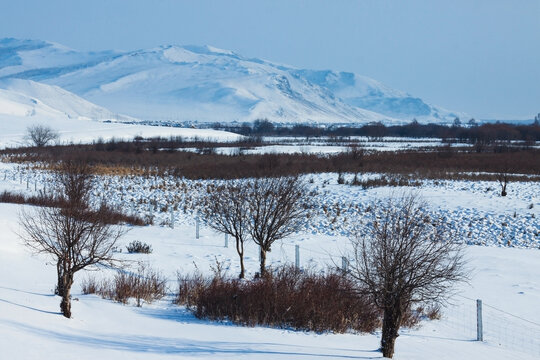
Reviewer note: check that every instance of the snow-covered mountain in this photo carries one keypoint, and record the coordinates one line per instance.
(205, 84)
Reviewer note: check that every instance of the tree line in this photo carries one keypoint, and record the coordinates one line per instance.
(471, 132)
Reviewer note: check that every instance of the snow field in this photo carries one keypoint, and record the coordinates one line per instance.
(85, 131)
(504, 275)
(31, 326)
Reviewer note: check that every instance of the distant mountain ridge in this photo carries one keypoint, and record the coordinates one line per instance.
(178, 84)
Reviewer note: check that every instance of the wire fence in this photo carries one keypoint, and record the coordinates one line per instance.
(499, 327)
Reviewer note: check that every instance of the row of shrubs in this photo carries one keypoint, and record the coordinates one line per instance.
(287, 298)
(384, 180)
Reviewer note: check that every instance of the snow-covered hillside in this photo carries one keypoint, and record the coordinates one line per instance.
(33, 99)
(172, 84)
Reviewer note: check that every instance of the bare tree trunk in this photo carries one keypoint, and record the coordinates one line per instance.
(65, 305)
(60, 282)
(240, 250)
(503, 190)
(390, 327)
(263, 262)
(242, 268)
(503, 181)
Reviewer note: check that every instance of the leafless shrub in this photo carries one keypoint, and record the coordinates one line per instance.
(190, 289)
(138, 247)
(285, 298)
(145, 285)
(41, 135)
(90, 285)
(388, 180)
(404, 260)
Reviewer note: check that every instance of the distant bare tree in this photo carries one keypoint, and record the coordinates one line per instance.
(74, 235)
(503, 179)
(226, 209)
(278, 207)
(404, 259)
(41, 135)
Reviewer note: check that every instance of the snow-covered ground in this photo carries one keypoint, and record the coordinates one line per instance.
(31, 326)
(14, 129)
(504, 270)
(323, 149)
(474, 209)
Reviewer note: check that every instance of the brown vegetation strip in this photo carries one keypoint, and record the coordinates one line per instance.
(439, 163)
(111, 216)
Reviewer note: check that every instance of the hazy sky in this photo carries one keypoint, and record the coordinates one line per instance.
(476, 56)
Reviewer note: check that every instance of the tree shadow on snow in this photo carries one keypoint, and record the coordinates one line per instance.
(27, 292)
(30, 308)
(172, 346)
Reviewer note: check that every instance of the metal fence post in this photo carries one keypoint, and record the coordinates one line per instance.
(479, 325)
(226, 240)
(344, 264)
(297, 256)
(197, 227)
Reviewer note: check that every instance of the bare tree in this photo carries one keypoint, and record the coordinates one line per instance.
(41, 135)
(226, 209)
(404, 259)
(74, 235)
(503, 179)
(278, 207)
(503, 175)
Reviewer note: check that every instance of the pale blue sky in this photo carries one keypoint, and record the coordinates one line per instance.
(476, 56)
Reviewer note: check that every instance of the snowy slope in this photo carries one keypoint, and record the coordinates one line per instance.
(30, 98)
(363, 92)
(206, 84)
